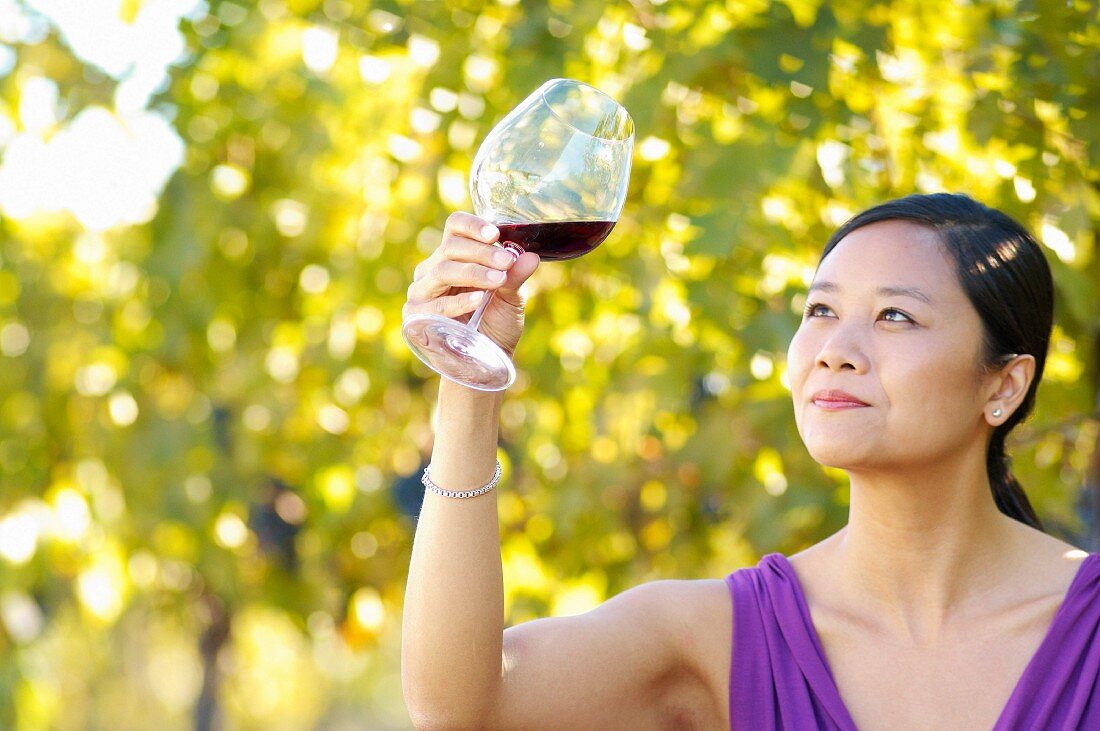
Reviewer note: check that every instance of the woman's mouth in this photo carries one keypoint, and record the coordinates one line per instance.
(834, 400)
(837, 405)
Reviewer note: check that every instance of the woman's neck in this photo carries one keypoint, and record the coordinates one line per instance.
(924, 547)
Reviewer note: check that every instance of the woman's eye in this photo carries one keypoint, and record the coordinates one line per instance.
(892, 315)
(889, 315)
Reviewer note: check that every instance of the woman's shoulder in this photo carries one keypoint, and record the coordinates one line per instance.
(692, 601)
(1055, 564)
(694, 614)
(1078, 568)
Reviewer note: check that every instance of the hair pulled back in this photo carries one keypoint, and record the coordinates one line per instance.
(1006, 277)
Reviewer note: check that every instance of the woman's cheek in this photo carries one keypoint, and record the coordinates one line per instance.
(796, 360)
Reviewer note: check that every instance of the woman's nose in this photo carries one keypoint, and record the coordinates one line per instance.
(842, 350)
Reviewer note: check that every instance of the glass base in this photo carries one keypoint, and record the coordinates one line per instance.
(458, 352)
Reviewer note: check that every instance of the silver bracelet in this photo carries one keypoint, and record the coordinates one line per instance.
(452, 493)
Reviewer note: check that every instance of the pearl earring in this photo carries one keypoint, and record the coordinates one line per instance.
(997, 413)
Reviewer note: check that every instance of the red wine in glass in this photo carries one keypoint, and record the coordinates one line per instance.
(557, 240)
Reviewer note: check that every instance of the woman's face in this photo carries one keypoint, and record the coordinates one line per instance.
(887, 324)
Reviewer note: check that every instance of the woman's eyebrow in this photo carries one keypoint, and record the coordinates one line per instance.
(884, 291)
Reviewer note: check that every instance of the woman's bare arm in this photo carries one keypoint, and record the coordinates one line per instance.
(634, 662)
(454, 601)
(452, 629)
(460, 668)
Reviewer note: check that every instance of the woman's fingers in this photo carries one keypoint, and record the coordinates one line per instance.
(470, 226)
(445, 275)
(452, 306)
(467, 258)
(461, 261)
(460, 248)
(468, 266)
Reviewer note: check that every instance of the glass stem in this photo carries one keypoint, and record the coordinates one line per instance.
(475, 319)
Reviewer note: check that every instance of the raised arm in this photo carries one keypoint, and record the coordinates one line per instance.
(609, 667)
(454, 604)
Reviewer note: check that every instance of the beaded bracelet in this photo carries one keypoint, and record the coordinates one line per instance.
(452, 493)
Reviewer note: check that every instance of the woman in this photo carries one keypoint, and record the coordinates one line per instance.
(941, 604)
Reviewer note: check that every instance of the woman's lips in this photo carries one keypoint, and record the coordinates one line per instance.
(836, 400)
(837, 405)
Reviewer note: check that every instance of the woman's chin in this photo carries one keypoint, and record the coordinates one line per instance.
(838, 456)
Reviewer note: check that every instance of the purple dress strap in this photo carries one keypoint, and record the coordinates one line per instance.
(1060, 687)
(780, 677)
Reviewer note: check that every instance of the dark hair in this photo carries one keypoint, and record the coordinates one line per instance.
(1006, 277)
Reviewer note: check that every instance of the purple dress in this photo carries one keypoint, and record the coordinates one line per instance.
(780, 677)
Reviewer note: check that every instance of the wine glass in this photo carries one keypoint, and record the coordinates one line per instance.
(552, 177)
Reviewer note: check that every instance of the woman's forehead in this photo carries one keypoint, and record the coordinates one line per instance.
(889, 254)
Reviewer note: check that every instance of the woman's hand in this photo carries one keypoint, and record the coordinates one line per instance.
(454, 279)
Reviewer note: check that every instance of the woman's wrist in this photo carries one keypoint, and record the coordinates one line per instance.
(466, 429)
(451, 393)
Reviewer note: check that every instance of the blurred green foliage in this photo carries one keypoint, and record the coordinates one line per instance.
(211, 430)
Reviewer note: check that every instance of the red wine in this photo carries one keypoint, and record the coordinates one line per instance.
(558, 240)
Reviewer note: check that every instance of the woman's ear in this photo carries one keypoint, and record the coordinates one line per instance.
(1008, 386)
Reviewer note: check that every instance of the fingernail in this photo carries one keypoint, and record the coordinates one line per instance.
(488, 232)
(476, 297)
(503, 257)
(496, 276)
